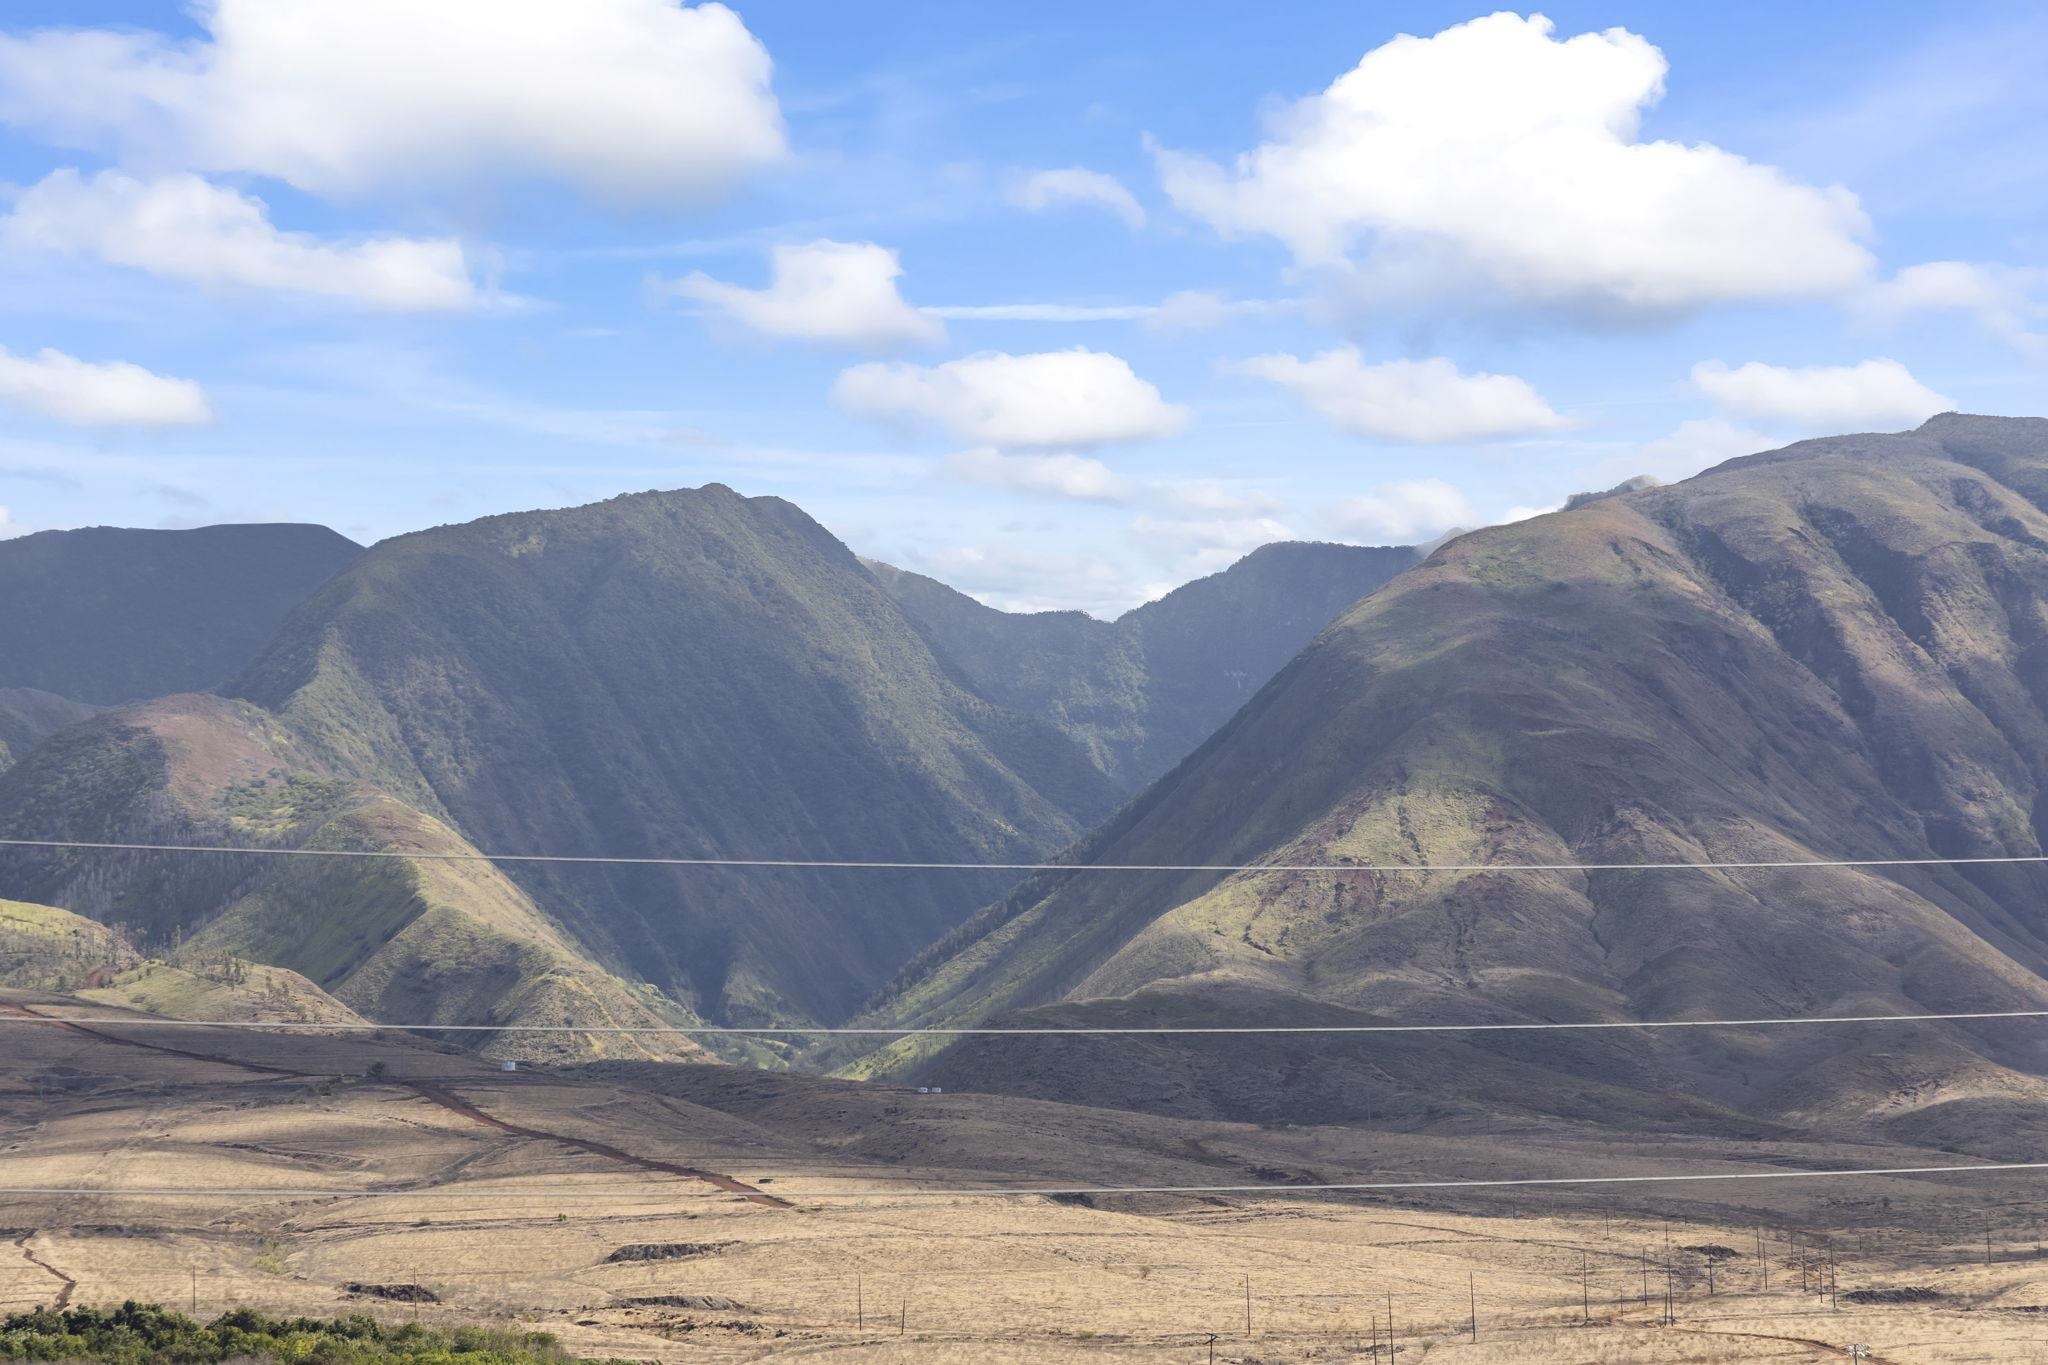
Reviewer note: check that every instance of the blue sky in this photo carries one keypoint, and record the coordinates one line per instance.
(1077, 302)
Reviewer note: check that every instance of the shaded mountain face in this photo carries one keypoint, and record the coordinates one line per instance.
(679, 675)
(1838, 650)
(28, 717)
(1139, 693)
(105, 616)
(435, 936)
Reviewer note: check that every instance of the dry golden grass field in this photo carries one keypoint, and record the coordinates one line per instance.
(700, 1213)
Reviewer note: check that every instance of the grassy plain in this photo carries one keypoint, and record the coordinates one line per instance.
(376, 1175)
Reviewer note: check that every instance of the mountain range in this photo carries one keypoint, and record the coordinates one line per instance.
(1826, 654)
(663, 675)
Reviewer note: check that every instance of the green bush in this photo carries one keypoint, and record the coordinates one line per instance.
(148, 1334)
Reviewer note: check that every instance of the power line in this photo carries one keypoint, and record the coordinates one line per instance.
(807, 1031)
(1003, 1192)
(910, 866)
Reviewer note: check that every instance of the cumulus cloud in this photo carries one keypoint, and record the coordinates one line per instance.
(1071, 399)
(1403, 513)
(1064, 475)
(1684, 452)
(634, 99)
(183, 228)
(1494, 152)
(1821, 397)
(1073, 185)
(9, 527)
(842, 293)
(1029, 577)
(81, 393)
(1419, 401)
(2005, 300)
(1200, 545)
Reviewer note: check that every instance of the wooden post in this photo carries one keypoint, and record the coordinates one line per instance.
(1472, 1300)
(1247, 1305)
(195, 1291)
(1669, 1316)
(860, 1306)
(1585, 1290)
(1392, 1348)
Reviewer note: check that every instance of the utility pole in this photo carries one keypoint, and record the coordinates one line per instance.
(195, 1291)
(1392, 1349)
(1247, 1305)
(1472, 1298)
(1669, 1316)
(860, 1306)
(1585, 1290)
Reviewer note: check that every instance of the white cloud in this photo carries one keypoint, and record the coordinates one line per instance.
(1073, 185)
(2002, 298)
(1403, 513)
(1071, 398)
(1028, 577)
(1064, 475)
(1494, 152)
(9, 527)
(183, 228)
(1198, 310)
(1421, 401)
(1692, 447)
(1199, 545)
(1515, 514)
(839, 292)
(1043, 312)
(118, 394)
(1822, 397)
(634, 99)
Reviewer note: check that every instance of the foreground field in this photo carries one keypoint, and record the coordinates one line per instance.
(713, 1214)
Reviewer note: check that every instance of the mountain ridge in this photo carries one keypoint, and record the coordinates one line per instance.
(117, 614)
(1835, 650)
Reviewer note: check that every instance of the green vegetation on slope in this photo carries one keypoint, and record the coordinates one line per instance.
(148, 1334)
(106, 615)
(44, 948)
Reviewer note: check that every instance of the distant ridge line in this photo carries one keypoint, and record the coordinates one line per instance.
(808, 1031)
(914, 866)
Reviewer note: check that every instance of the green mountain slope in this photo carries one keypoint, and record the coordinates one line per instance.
(1839, 650)
(106, 615)
(431, 937)
(679, 674)
(28, 717)
(1142, 691)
